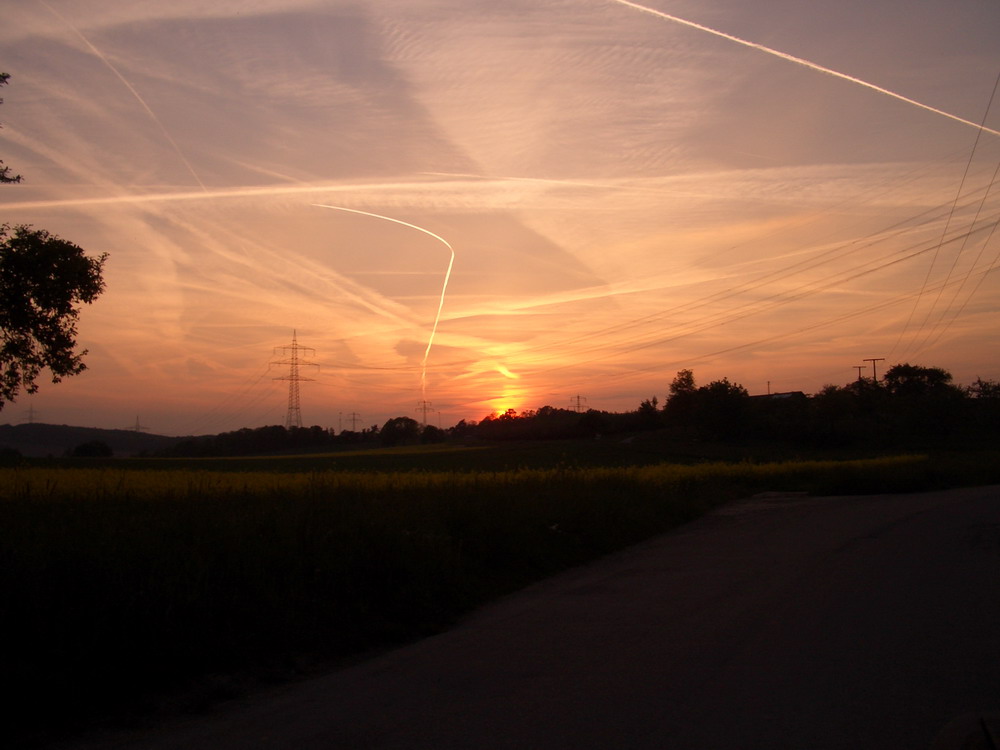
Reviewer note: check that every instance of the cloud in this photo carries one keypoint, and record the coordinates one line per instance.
(623, 195)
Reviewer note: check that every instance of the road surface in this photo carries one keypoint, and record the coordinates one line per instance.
(775, 622)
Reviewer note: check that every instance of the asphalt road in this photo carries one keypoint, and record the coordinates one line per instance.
(776, 622)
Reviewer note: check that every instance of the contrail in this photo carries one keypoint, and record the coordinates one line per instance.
(444, 286)
(138, 98)
(806, 63)
(194, 195)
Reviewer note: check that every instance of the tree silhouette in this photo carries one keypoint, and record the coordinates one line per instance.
(92, 449)
(681, 403)
(922, 402)
(43, 280)
(5, 175)
(399, 431)
(985, 389)
(647, 416)
(916, 381)
(682, 383)
(721, 408)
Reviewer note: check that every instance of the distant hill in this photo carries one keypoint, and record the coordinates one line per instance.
(56, 440)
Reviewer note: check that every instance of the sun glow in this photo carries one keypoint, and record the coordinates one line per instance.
(509, 399)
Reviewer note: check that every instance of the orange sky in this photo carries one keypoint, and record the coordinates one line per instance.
(626, 195)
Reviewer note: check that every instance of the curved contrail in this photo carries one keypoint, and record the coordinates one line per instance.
(806, 63)
(444, 286)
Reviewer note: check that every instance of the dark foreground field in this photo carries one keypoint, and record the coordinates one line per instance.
(864, 622)
(140, 588)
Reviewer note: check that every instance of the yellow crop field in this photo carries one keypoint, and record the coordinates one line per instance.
(147, 484)
(130, 579)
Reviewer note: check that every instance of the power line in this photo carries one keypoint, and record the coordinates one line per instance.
(972, 268)
(748, 309)
(972, 293)
(232, 405)
(958, 195)
(621, 375)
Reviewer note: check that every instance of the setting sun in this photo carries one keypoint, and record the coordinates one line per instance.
(502, 405)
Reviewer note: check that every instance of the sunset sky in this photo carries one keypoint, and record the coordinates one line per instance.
(627, 191)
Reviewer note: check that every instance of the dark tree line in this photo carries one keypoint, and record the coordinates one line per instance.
(276, 439)
(263, 440)
(911, 406)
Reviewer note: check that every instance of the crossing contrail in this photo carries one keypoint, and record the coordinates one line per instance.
(444, 286)
(807, 64)
(152, 115)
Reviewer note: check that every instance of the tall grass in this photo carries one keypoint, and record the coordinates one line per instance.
(118, 585)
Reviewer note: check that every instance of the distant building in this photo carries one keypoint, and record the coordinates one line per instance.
(781, 396)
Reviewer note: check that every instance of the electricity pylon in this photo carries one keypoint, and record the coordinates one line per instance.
(424, 407)
(294, 416)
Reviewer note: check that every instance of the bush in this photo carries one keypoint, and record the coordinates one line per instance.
(92, 449)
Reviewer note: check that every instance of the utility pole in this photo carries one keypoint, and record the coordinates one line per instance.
(859, 368)
(577, 403)
(137, 427)
(294, 416)
(424, 407)
(354, 417)
(873, 360)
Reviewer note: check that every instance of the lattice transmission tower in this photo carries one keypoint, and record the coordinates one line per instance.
(294, 362)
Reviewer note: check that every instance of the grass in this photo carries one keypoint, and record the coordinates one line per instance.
(122, 583)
